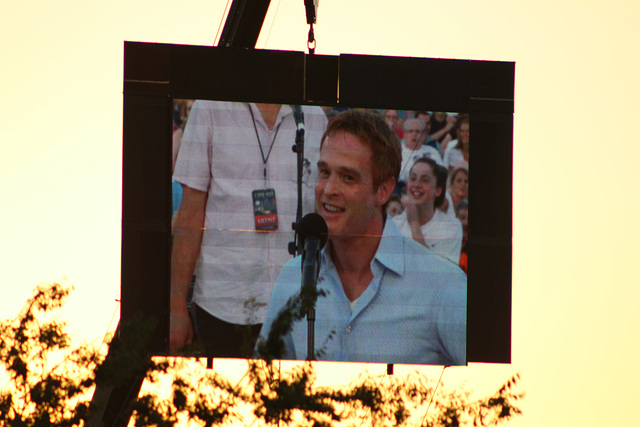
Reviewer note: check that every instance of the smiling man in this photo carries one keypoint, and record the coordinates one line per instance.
(385, 298)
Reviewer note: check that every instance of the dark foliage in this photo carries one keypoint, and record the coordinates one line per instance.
(48, 381)
(293, 311)
(50, 384)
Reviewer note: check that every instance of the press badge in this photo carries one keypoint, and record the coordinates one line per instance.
(265, 210)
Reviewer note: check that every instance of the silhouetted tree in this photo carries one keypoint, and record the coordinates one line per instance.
(267, 397)
(49, 383)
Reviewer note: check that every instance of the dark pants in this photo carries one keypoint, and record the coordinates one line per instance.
(221, 339)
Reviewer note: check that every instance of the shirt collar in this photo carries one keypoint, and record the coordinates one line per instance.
(390, 250)
(285, 110)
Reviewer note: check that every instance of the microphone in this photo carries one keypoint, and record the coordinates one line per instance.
(298, 116)
(312, 233)
(298, 148)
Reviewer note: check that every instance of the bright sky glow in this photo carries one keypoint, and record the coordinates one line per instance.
(576, 174)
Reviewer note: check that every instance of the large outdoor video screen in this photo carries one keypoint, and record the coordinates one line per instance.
(212, 188)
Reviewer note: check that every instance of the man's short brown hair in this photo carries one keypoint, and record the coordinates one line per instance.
(370, 128)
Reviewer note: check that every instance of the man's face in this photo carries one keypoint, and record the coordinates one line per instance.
(413, 135)
(422, 184)
(345, 195)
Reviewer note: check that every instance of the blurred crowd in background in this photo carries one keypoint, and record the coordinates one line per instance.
(442, 182)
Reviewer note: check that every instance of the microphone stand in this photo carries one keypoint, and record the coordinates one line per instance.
(310, 269)
(313, 233)
(311, 246)
(295, 247)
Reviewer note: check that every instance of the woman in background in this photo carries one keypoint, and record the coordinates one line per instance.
(421, 220)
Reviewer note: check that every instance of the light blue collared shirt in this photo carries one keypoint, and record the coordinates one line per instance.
(413, 311)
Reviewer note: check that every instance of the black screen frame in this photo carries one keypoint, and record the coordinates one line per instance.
(155, 74)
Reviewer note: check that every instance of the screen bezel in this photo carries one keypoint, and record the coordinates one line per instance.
(155, 74)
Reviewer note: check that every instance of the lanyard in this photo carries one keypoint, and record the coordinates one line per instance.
(264, 159)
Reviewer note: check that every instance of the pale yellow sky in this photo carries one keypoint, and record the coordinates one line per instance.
(576, 174)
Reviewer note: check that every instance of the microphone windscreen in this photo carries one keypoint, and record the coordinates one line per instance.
(313, 225)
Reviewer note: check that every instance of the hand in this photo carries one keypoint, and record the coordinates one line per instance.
(451, 121)
(410, 207)
(180, 329)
